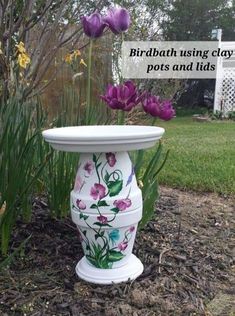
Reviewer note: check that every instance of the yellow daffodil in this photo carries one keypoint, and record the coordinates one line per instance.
(3, 208)
(76, 53)
(68, 58)
(20, 47)
(23, 60)
(82, 62)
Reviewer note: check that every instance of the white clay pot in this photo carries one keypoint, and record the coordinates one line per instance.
(106, 203)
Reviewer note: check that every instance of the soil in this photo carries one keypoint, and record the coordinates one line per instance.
(187, 251)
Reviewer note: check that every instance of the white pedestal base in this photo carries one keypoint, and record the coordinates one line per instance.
(130, 271)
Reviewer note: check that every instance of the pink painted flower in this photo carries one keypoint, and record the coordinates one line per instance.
(122, 246)
(102, 219)
(111, 159)
(122, 204)
(81, 205)
(131, 229)
(78, 184)
(89, 167)
(97, 191)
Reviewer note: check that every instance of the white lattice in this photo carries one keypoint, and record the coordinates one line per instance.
(225, 82)
(228, 90)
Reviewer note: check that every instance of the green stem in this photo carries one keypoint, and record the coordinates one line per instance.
(88, 96)
(154, 120)
(121, 114)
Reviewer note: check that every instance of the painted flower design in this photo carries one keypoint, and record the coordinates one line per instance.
(114, 235)
(122, 204)
(81, 205)
(123, 245)
(97, 191)
(102, 219)
(78, 184)
(131, 229)
(89, 167)
(111, 159)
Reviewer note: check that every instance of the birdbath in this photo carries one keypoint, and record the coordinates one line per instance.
(106, 202)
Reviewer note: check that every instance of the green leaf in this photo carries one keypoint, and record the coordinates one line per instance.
(81, 216)
(101, 225)
(93, 206)
(102, 203)
(99, 164)
(94, 158)
(115, 209)
(84, 232)
(85, 217)
(92, 261)
(114, 187)
(114, 256)
(106, 177)
(96, 236)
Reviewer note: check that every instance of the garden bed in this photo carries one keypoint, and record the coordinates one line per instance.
(186, 251)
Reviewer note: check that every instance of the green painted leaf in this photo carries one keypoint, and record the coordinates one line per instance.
(84, 232)
(101, 225)
(85, 217)
(99, 164)
(96, 236)
(94, 158)
(106, 177)
(114, 256)
(102, 203)
(115, 209)
(114, 187)
(93, 206)
(92, 261)
(81, 216)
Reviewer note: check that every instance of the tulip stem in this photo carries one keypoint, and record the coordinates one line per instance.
(88, 97)
(121, 114)
(154, 120)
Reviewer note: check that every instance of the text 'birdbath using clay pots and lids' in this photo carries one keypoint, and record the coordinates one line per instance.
(106, 203)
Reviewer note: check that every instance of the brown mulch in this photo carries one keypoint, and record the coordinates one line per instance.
(187, 251)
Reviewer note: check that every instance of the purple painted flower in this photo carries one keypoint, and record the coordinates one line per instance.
(111, 159)
(123, 245)
(89, 167)
(131, 229)
(97, 191)
(93, 25)
(157, 108)
(118, 20)
(81, 205)
(102, 219)
(122, 204)
(122, 97)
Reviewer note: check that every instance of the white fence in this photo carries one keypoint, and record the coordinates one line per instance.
(225, 81)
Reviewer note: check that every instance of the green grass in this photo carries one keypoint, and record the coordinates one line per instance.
(202, 155)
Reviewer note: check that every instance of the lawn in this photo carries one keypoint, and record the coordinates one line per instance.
(202, 155)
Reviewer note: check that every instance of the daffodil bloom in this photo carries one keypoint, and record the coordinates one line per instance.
(20, 47)
(68, 58)
(76, 53)
(23, 60)
(82, 62)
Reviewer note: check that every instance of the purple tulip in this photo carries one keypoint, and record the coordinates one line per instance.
(157, 108)
(167, 110)
(122, 97)
(93, 25)
(118, 20)
(97, 191)
(152, 105)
